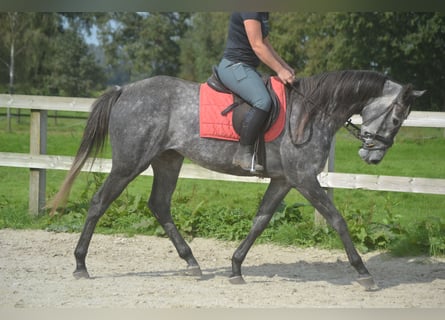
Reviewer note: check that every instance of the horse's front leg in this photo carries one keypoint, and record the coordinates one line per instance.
(275, 193)
(314, 193)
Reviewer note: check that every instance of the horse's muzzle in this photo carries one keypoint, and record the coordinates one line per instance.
(374, 147)
(372, 156)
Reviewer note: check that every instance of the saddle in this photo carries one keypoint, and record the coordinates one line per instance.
(241, 107)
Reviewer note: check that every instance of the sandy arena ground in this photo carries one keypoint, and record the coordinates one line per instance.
(145, 272)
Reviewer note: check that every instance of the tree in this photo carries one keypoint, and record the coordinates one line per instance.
(38, 53)
(73, 70)
(143, 44)
(51, 56)
(16, 32)
(203, 44)
(407, 46)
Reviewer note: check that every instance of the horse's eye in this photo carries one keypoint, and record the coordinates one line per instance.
(395, 122)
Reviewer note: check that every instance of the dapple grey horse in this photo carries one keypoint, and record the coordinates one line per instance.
(155, 122)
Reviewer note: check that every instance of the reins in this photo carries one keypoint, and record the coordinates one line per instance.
(353, 129)
(294, 87)
(367, 138)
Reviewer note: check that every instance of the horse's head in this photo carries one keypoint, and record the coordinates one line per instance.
(382, 119)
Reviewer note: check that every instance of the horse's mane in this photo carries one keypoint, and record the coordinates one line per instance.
(327, 92)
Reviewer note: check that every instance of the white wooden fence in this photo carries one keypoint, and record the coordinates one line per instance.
(38, 162)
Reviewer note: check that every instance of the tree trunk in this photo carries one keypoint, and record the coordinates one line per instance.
(13, 21)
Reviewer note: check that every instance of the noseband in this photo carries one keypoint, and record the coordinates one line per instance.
(369, 138)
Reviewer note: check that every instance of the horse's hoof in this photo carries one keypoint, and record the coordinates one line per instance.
(81, 274)
(237, 280)
(194, 271)
(368, 283)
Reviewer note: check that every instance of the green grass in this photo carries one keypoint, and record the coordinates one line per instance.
(404, 223)
(417, 152)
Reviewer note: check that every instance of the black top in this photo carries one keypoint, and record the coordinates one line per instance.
(238, 48)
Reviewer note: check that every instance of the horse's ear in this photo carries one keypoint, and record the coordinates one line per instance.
(417, 93)
(408, 94)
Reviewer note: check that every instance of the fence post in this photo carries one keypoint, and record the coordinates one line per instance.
(37, 145)
(319, 220)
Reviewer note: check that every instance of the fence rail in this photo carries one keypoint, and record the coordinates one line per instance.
(38, 162)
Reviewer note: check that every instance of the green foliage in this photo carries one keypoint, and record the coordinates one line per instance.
(408, 46)
(395, 43)
(403, 223)
(423, 236)
(289, 225)
(52, 57)
(203, 44)
(73, 70)
(13, 217)
(46, 55)
(367, 233)
(144, 44)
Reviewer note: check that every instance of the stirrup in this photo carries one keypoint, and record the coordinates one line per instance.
(253, 164)
(245, 158)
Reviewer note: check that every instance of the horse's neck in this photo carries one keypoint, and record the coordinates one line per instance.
(337, 117)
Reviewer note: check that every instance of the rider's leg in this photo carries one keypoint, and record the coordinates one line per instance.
(246, 82)
(250, 130)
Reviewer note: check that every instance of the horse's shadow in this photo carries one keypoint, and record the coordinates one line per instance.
(387, 271)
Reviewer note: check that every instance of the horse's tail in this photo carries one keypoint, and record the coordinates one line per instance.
(93, 141)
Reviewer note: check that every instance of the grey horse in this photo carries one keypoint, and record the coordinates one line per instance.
(156, 122)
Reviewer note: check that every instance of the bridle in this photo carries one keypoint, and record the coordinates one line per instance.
(367, 138)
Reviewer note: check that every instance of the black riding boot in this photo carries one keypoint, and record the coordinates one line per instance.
(251, 128)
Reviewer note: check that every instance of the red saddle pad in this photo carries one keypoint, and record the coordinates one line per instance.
(214, 125)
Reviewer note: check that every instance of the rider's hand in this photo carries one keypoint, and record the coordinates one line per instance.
(286, 75)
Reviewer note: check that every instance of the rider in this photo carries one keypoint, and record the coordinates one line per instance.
(248, 45)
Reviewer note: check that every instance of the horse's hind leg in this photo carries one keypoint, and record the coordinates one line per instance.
(108, 192)
(165, 176)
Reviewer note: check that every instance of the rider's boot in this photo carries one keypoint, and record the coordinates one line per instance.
(251, 128)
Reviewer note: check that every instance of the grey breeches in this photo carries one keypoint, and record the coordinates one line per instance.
(246, 82)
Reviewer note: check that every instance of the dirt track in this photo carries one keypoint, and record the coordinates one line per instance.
(145, 272)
